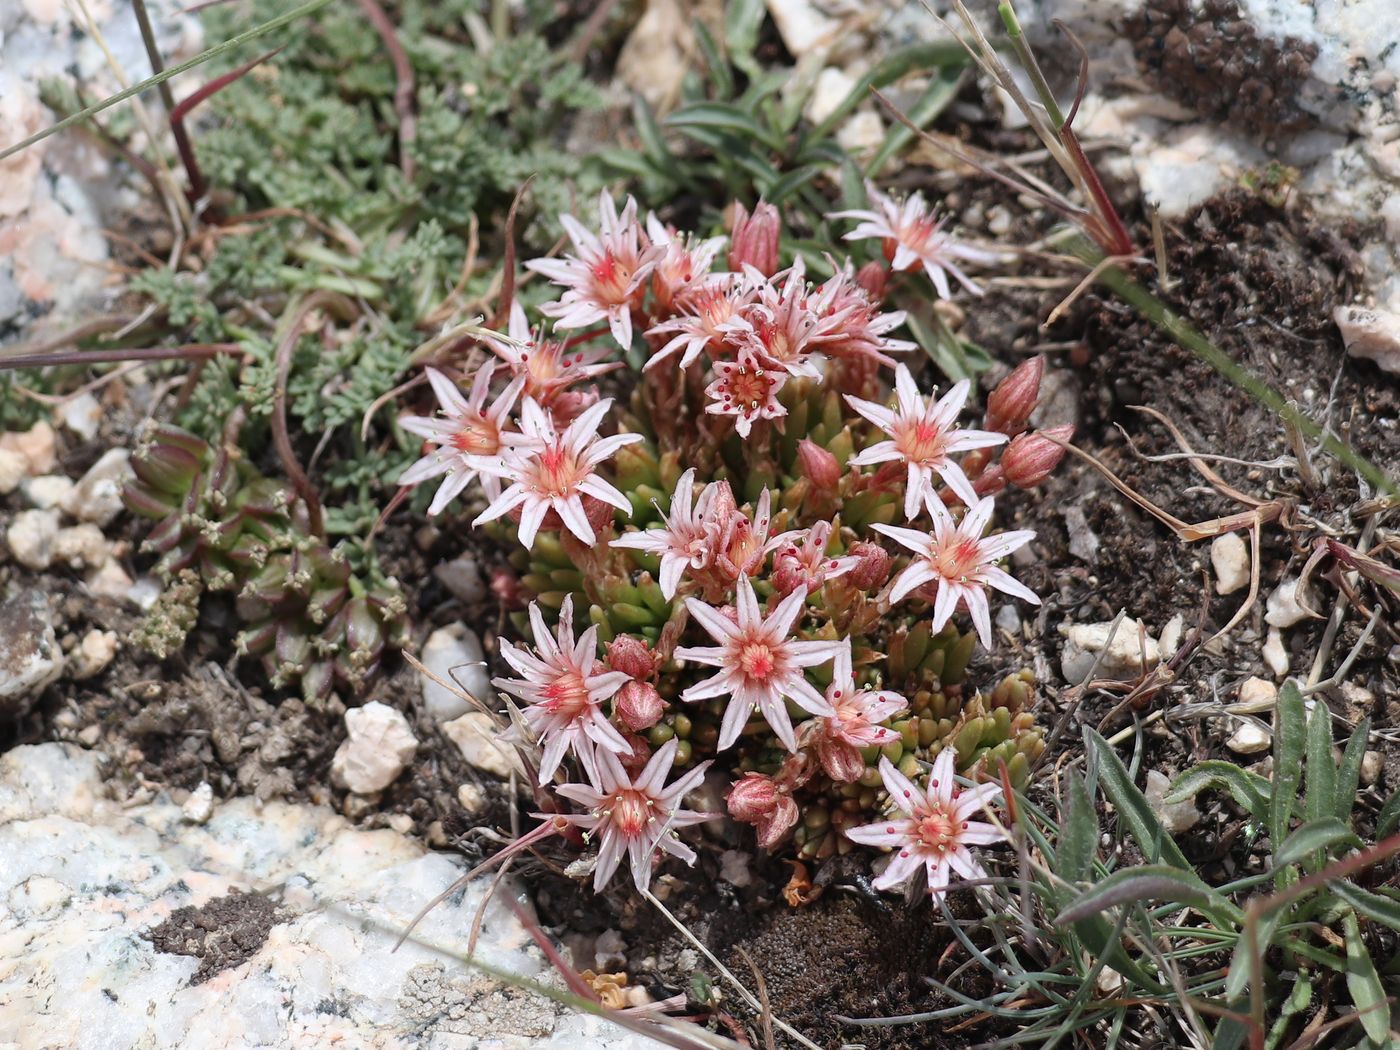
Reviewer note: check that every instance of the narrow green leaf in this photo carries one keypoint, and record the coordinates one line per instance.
(1375, 906)
(715, 63)
(1389, 818)
(942, 89)
(920, 56)
(1314, 835)
(649, 131)
(1133, 810)
(1349, 772)
(792, 181)
(1364, 984)
(1074, 854)
(742, 21)
(1147, 882)
(723, 117)
(1230, 1034)
(1249, 790)
(1290, 732)
(1244, 967)
(1320, 799)
(1299, 999)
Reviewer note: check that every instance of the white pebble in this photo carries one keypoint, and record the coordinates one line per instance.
(14, 468)
(1372, 765)
(1371, 333)
(478, 737)
(472, 798)
(199, 807)
(1285, 605)
(1249, 738)
(1256, 696)
(454, 654)
(97, 649)
(1229, 556)
(1124, 658)
(81, 546)
(1275, 655)
(31, 538)
(1176, 817)
(378, 748)
(82, 415)
(38, 445)
(98, 496)
(46, 491)
(462, 576)
(109, 580)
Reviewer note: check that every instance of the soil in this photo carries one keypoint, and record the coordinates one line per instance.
(224, 933)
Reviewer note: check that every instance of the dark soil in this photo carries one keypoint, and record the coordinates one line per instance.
(224, 933)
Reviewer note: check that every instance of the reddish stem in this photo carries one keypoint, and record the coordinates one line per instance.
(403, 89)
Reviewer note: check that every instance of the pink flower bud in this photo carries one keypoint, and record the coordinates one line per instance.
(776, 826)
(759, 801)
(1010, 405)
(818, 465)
(873, 568)
(990, 481)
(1030, 458)
(789, 573)
(639, 706)
(873, 277)
(754, 239)
(634, 760)
(632, 656)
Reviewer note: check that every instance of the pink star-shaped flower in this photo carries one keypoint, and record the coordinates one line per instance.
(746, 389)
(546, 367)
(853, 724)
(933, 828)
(682, 541)
(960, 561)
(564, 685)
(923, 434)
(557, 472)
(465, 433)
(635, 816)
(759, 664)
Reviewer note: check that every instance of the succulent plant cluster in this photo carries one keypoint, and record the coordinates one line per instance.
(763, 565)
(222, 526)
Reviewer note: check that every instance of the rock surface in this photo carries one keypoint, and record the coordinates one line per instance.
(30, 656)
(311, 907)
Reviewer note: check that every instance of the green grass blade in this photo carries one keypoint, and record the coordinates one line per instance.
(1364, 984)
(1137, 816)
(1321, 798)
(1290, 733)
(1315, 835)
(1349, 772)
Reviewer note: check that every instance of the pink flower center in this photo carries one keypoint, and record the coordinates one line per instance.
(757, 661)
(630, 810)
(921, 442)
(958, 561)
(748, 388)
(558, 471)
(610, 279)
(566, 695)
(477, 437)
(937, 831)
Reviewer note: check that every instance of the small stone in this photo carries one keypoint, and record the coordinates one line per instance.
(1170, 639)
(38, 445)
(378, 748)
(1284, 607)
(144, 593)
(199, 807)
(401, 822)
(82, 415)
(454, 654)
(30, 656)
(829, 91)
(1009, 619)
(803, 27)
(46, 491)
(863, 133)
(1124, 658)
(610, 951)
(478, 737)
(81, 546)
(1176, 817)
(734, 868)
(1229, 556)
(88, 736)
(1249, 738)
(1372, 766)
(97, 497)
(1256, 696)
(998, 220)
(472, 798)
(93, 654)
(14, 468)
(1275, 655)
(31, 537)
(1371, 333)
(462, 577)
(437, 835)
(108, 580)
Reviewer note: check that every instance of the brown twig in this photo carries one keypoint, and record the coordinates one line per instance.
(192, 352)
(167, 97)
(403, 86)
(508, 260)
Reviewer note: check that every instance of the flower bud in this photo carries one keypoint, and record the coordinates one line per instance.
(638, 706)
(873, 567)
(818, 465)
(759, 801)
(509, 591)
(873, 277)
(632, 656)
(1030, 458)
(635, 759)
(754, 239)
(1010, 405)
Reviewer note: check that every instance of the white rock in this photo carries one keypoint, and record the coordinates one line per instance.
(31, 536)
(46, 491)
(804, 29)
(109, 580)
(82, 415)
(378, 748)
(30, 656)
(83, 878)
(38, 445)
(1284, 607)
(1371, 333)
(863, 133)
(462, 576)
(14, 468)
(1008, 619)
(830, 90)
(1249, 738)
(1176, 817)
(97, 497)
(454, 654)
(97, 649)
(652, 61)
(472, 798)
(1123, 658)
(1274, 653)
(1372, 766)
(478, 737)
(81, 546)
(199, 807)
(1170, 639)
(1229, 556)
(1256, 696)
